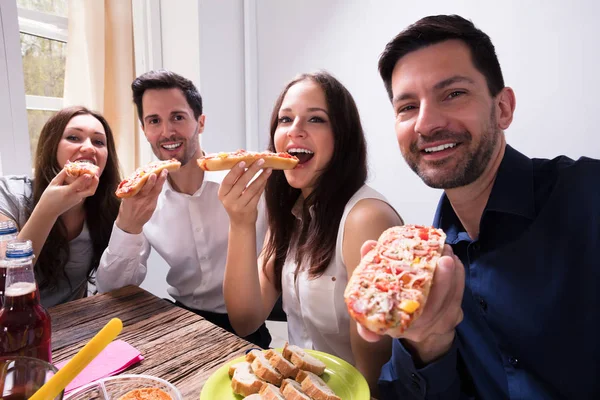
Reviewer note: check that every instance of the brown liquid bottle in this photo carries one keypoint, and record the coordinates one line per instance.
(24, 323)
(8, 232)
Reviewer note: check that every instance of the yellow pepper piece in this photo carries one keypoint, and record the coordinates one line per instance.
(223, 155)
(409, 306)
(417, 260)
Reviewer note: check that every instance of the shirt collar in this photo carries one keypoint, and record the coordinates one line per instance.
(512, 193)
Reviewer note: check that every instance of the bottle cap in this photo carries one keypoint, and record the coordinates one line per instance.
(19, 249)
(8, 228)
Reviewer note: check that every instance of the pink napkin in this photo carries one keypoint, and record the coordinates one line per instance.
(115, 358)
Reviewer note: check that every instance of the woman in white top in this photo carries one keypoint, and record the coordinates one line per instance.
(320, 214)
(68, 220)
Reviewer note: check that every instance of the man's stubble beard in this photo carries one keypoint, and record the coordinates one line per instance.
(469, 168)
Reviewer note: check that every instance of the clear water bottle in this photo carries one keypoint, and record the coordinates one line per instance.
(8, 232)
(24, 323)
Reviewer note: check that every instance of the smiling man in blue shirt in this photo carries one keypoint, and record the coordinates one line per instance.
(512, 313)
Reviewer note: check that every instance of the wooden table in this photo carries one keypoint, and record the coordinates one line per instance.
(177, 345)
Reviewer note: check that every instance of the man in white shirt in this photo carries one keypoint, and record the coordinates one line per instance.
(179, 214)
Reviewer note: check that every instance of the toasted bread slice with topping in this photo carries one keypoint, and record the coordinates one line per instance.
(244, 381)
(286, 368)
(303, 360)
(316, 388)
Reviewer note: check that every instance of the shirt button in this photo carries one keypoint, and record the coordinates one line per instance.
(482, 304)
(514, 361)
(415, 381)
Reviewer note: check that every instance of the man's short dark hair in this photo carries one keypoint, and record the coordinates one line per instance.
(163, 79)
(438, 28)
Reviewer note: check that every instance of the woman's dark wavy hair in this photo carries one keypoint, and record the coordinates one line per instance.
(101, 209)
(345, 173)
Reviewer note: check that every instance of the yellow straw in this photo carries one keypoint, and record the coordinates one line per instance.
(66, 374)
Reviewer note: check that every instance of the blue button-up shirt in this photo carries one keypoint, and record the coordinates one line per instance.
(531, 302)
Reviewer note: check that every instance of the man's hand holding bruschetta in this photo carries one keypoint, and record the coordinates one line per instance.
(431, 335)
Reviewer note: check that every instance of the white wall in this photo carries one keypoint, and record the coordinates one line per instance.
(548, 51)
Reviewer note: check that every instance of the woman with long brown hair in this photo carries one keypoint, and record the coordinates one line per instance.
(68, 220)
(320, 213)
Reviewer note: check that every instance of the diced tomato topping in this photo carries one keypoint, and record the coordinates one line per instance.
(382, 286)
(424, 235)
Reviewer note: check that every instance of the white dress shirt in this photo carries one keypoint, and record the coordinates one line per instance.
(191, 235)
(316, 312)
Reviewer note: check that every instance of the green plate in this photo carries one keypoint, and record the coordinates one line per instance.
(343, 378)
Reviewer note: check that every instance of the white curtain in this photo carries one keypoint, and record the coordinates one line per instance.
(100, 67)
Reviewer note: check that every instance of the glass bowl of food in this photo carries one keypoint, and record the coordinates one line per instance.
(127, 387)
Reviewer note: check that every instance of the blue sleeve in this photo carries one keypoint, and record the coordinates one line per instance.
(400, 378)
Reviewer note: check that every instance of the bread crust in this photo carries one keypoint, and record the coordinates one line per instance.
(316, 388)
(302, 360)
(285, 367)
(75, 169)
(389, 288)
(225, 161)
(244, 382)
(131, 185)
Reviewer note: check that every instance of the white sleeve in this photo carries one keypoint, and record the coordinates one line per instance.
(123, 262)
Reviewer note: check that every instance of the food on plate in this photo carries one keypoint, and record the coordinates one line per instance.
(131, 185)
(292, 390)
(263, 368)
(302, 359)
(389, 288)
(75, 169)
(270, 392)
(316, 388)
(224, 161)
(244, 382)
(269, 373)
(146, 394)
(255, 396)
(287, 369)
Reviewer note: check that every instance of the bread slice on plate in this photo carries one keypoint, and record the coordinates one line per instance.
(264, 370)
(292, 390)
(316, 388)
(233, 367)
(303, 360)
(244, 381)
(271, 392)
(286, 368)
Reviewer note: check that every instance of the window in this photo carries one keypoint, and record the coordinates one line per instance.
(43, 25)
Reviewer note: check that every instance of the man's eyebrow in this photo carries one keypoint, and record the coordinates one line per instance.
(440, 85)
(452, 80)
(150, 116)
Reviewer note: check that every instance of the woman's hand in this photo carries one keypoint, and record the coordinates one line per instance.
(239, 196)
(61, 196)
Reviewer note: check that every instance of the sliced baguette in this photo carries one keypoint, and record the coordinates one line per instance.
(292, 390)
(303, 360)
(251, 355)
(286, 368)
(233, 367)
(271, 392)
(264, 370)
(316, 388)
(244, 382)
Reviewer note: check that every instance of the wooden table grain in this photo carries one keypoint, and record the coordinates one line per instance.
(177, 345)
